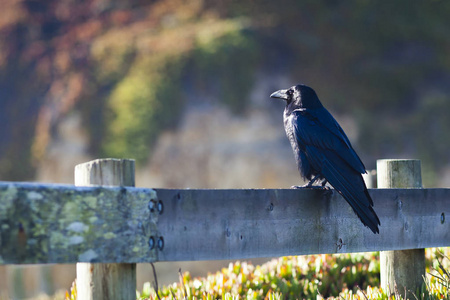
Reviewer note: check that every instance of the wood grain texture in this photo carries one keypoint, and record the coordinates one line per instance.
(105, 172)
(240, 224)
(399, 173)
(402, 270)
(67, 224)
(115, 281)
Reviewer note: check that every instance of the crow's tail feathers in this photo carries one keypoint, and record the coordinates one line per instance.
(352, 187)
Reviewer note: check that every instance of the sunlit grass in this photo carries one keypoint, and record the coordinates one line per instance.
(347, 276)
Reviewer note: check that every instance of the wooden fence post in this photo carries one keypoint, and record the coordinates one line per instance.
(401, 271)
(100, 280)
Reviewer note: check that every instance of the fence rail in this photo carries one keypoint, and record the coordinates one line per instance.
(67, 224)
(46, 223)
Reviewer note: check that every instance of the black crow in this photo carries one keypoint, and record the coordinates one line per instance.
(323, 151)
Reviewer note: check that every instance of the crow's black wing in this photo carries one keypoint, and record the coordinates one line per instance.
(330, 153)
(317, 127)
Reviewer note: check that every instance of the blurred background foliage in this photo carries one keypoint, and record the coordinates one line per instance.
(95, 78)
(130, 66)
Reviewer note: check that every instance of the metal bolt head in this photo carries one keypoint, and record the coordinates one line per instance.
(151, 243)
(160, 207)
(160, 243)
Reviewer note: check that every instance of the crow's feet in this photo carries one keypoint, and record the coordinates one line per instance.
(308, 186)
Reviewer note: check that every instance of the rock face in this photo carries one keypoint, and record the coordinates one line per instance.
(68, 148)
(213, 149)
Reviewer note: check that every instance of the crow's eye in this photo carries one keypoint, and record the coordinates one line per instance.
(290, 93)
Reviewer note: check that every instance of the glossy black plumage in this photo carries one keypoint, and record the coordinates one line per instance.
(323, 152)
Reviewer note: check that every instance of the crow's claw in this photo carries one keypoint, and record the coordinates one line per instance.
(307, 186)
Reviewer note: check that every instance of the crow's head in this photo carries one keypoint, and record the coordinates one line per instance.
(300, 96)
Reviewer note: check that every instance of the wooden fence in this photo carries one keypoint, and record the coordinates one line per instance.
(106, 226)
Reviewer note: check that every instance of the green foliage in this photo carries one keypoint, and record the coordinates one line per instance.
(112, 55)
(224, 61)
(143, 103)
(149, 98)
(438, 285)
(347, 276)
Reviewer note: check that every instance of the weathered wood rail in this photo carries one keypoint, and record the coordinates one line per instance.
(226, 224)
(69, 224)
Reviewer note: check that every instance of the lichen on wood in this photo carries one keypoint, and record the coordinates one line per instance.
(67, 224)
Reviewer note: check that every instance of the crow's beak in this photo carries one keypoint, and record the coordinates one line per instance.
(281, 94)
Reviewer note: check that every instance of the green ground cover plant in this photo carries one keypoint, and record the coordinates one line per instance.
(344, 276)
